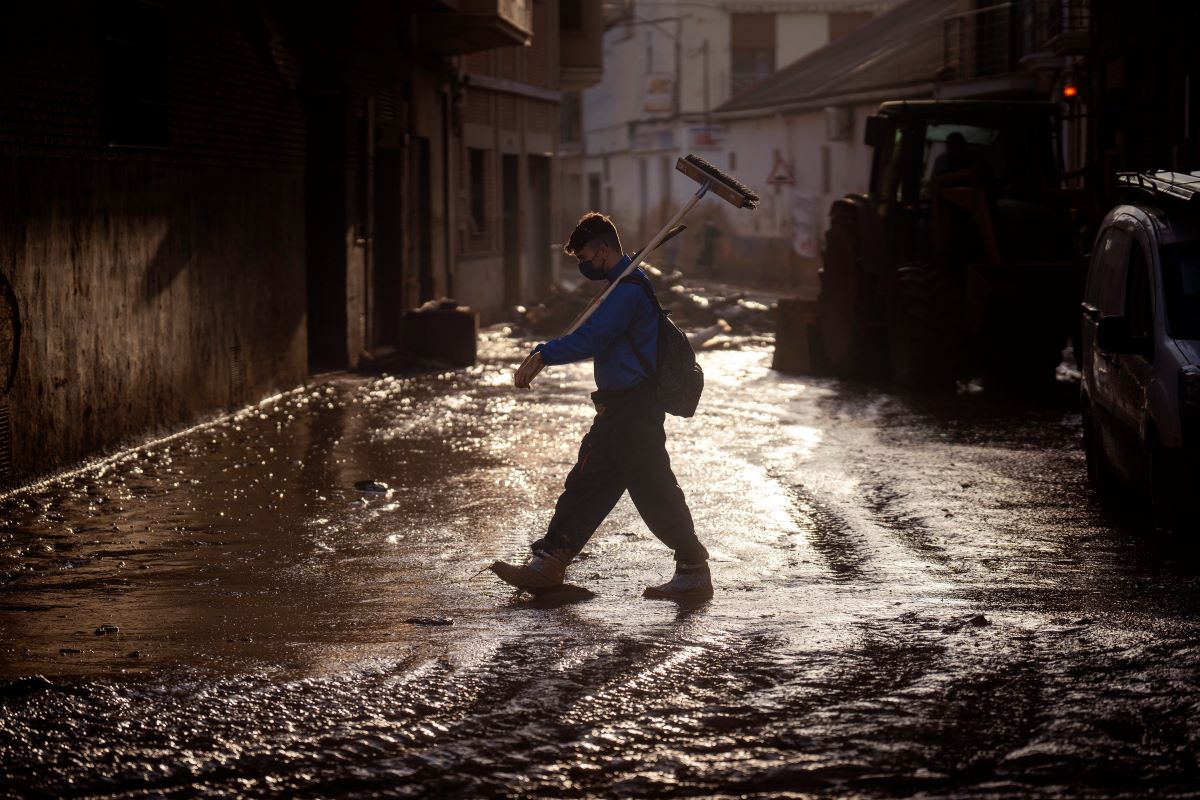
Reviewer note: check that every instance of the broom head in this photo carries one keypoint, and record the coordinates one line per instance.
(722, 184)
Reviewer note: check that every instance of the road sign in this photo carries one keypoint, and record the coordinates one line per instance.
(781, 174)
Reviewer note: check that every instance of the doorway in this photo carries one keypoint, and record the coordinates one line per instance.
(421, 215)
(388, 273)
(510, 201)
(325, 229)
(539, 222)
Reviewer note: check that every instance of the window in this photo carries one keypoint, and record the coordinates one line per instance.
(1138, 308)
(594, 191)
(135, 74)
(643, 190)
(571, 118)
(751, 49)
(570, 16)
(1181, 287)
(664, 180)
(1106, 284)
(478, 175)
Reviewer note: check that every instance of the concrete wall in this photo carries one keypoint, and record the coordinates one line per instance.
(156, 285)
(620, 134)
(823, 170)
(149, 297)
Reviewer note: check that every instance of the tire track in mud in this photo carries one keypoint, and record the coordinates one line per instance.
(641, 717)
(829, 534)
(886, 504)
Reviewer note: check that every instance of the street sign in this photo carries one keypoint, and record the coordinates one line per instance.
(781, 174)
(659, 97)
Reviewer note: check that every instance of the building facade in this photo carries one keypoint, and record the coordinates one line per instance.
(510, 173)
(204, 204)
(667, 67)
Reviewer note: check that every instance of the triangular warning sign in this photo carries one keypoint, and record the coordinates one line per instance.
(781, 173)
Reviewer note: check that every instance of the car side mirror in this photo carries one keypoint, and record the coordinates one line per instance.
(877, 131)
(1112, 336)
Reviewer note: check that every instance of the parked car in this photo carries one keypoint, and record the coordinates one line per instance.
(1141, 346)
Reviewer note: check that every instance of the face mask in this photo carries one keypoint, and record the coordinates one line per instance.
(590, 271)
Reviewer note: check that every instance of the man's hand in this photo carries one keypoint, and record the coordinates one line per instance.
(529, 370)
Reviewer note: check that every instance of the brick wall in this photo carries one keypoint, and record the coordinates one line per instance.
(506, 112)
(540, 116)
(508, 62)
(477, 107)
(541, 68)
(156, 284)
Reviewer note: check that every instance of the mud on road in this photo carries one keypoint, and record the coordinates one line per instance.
(916, 596)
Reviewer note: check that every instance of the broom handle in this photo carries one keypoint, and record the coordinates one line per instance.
(671, 234)
(587, 312)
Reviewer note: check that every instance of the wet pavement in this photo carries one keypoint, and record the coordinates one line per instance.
(916, 597)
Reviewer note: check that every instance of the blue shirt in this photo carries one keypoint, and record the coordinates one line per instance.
(603, 337)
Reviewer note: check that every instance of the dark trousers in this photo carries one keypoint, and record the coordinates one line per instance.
(624, 450)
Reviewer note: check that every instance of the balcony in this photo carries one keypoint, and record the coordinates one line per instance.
(979, 43)
(1061, 26)
(581, 48)
(478, 25)
(1004, 38)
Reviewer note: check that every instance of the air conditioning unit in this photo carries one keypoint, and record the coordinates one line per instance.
(839, 123)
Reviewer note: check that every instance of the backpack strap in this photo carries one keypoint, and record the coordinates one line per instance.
(645, 284)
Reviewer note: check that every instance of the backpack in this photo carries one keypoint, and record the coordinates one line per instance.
(679, 379)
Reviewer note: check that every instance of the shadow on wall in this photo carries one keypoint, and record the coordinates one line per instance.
(10, 336)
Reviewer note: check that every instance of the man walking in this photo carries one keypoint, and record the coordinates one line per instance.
(625, 449)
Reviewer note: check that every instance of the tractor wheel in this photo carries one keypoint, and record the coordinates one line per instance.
(923, 334)
(845, 335)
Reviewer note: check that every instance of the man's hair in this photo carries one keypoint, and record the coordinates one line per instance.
(593, 227)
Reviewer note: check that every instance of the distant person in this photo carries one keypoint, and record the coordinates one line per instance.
(625, 449)
(957, 166)
(955, 158)
(708, 247)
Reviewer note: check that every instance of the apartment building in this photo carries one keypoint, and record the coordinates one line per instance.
(667, 67)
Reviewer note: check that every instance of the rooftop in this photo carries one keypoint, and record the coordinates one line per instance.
(894, 55)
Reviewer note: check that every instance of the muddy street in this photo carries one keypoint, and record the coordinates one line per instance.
(915, 596)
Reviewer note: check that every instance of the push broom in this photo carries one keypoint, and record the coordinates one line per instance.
(711, 179)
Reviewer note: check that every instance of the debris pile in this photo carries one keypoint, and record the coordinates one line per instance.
(716, 311)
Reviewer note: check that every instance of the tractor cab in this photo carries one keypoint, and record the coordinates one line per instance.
(965, 228)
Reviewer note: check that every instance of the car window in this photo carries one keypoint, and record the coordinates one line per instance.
(1138, 305)
(1106, 281)
(1181, 286)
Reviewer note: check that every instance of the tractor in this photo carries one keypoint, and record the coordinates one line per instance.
(962, 260)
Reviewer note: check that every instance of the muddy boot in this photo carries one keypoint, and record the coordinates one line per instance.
(540, 572)
(691, 583)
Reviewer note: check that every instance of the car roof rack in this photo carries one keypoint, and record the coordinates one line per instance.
(1180, 185)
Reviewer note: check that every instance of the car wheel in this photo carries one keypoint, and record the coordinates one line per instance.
(1099, 473)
